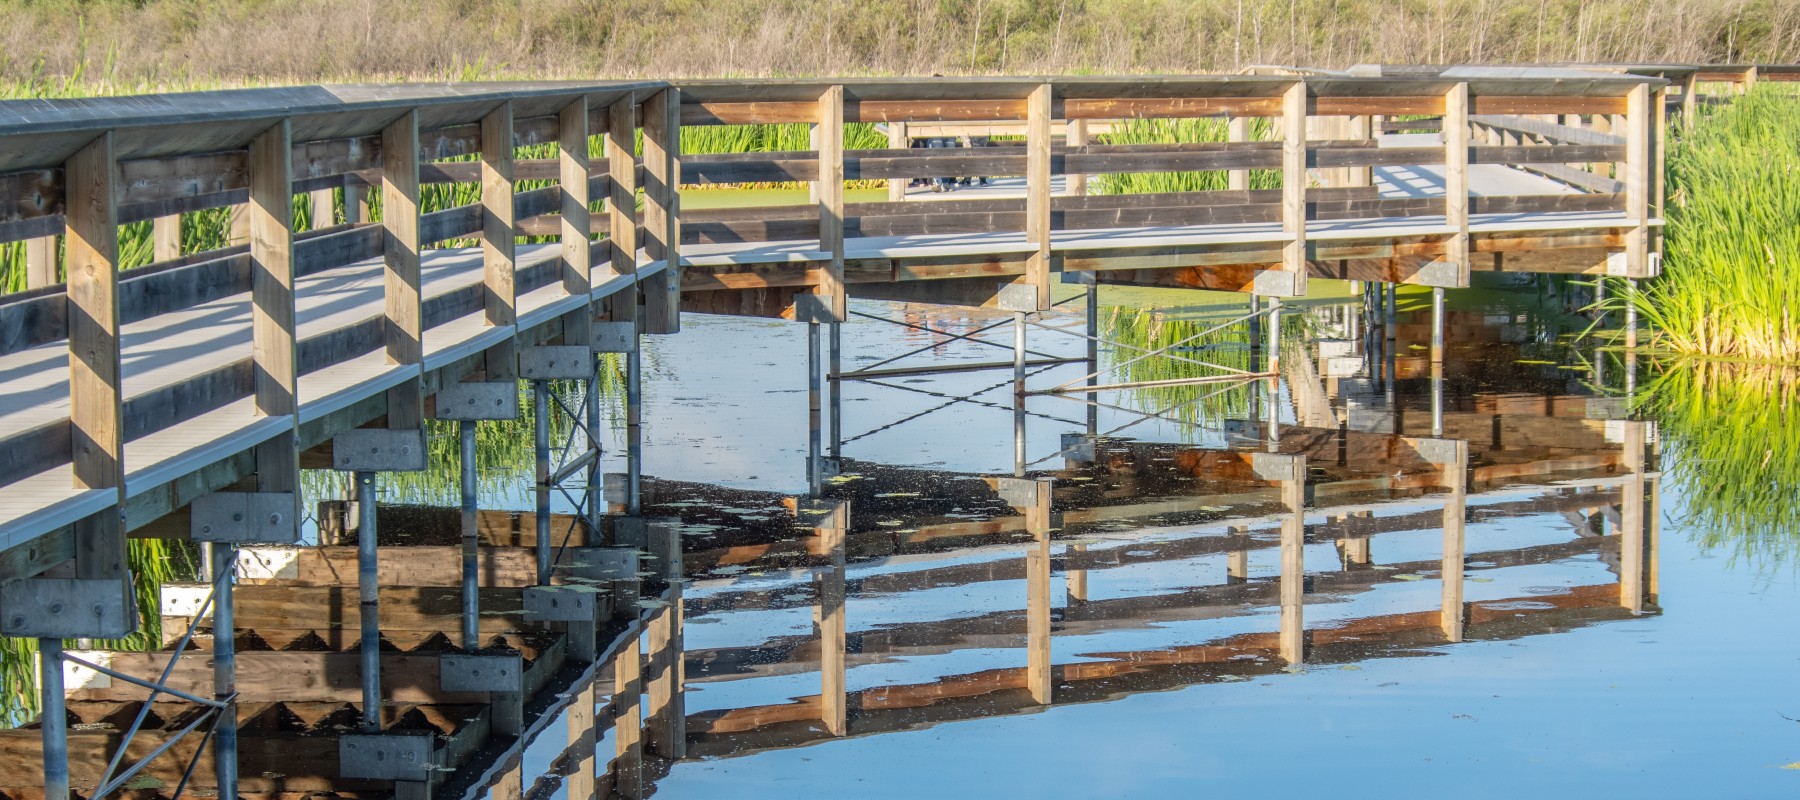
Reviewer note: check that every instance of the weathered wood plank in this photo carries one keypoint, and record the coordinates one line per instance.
(96, 392)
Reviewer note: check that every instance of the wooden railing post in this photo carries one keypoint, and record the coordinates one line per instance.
(165, 238)
(1456, 479)
(1075, 184)
(40, 262)
(1290, 279)
(662, 210)
(321, 208)
(577, 222)
(829, 189)
(621, 202)
(1361, 128)
(1237, 129)
(1456, 180)
(897, 140)
(499, 256)
(274, 350)
(1038, 112)
(1632, 527)
(96, 407)
(1690, 98)
(628, 721)
(400, 249)
(1637, 181)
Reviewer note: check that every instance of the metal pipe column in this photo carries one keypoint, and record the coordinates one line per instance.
(837, 398)
(1437, 325)
(595, 477)
(471, 544)
(815, 481)
(225, 734)
(634, 429)
(54, 720)
(1019, 354)
(1093, 354)
(368, 589)
(540, 412)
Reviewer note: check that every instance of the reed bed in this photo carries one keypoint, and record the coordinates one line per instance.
(1148, 328)
(1730, 285)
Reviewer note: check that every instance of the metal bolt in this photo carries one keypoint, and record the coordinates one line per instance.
(56, 608)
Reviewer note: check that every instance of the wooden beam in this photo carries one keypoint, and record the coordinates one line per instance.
(405, 314)
(1292, 636)
(1293, 194)
(1455, 515)
(1636, 171)
(897, 140)
(830, 191)
(1633, 526)
(627, 721)
(662, 210)
(573, 157)
(96, 401)
(1456, 179)
(274, 350)
(321, 208)
(621, 203)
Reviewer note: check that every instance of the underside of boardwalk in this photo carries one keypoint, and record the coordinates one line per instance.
(461, 239)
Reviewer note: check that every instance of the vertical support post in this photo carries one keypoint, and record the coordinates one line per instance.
(634, 429)
(1093, 353)
(471, 538)
(1237, 559)
(1038, 672)
(628, 723)
(897, 140)
(1637, 181)
(320, 208)
(667, 731)
(1237, 129)
(1293, 188)
(577, 223)
(356, 200)
(368, 589)
(1456, 475)
(1456, 180)
(815, 474)
(662, 209)
(1075, 184)
(274, 348)
(499, 256)
(1075, 581)
(165, 238)
(1293, 566)
(1038, 111)
(829, 618)
(237, 226)
(1360, 128)
(1631, 520)
(40, 262)
(96, 404)
(540, 414)
(225, 735)
(1019, 357)
(400, 246)
(621, 203)
(583, 739)
(1690, 98)
(54, 720)
(830, 190)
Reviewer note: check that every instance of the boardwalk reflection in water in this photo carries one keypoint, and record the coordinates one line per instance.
(1385, 510)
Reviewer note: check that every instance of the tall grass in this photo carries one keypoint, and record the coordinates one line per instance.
(1734, 433)
(1730, 284)
(1179, 131)
(1200, 404)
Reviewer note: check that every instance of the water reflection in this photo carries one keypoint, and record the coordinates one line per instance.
(941, 555)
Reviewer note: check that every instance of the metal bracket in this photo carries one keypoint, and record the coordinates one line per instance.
(1438, 452)
(817, 512)
(1018, 297)
(479, 400)
(386, 756)
(1078, 446)
(1618, 265)
(604, 563)
(1443, 274)
(561, 603)
(813, 308)
(556, 362)
(631, 532)
(378, 450)
(1608, 408)
(243, 517)
(615, 337)
(1023, 492)
(481, 673)
(1278, 467)
(1276, 282)
(69, 608)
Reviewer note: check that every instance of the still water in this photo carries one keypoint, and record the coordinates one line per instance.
(1164, 595)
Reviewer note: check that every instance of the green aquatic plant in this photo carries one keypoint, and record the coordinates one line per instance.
(1179, 131)
(1732, 432)
(1730, 284)
(1148, 329)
